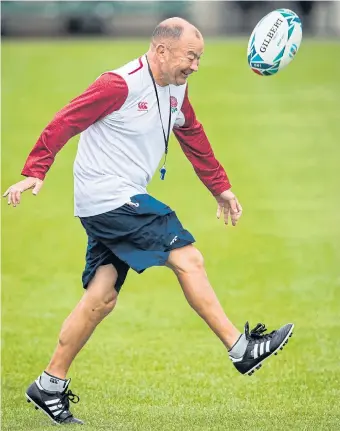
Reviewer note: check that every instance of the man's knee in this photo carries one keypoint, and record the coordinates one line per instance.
(101, 296)
(102, 306)
(186, 260)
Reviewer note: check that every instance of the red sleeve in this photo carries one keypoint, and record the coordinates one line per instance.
(196, 147)
(107, 94)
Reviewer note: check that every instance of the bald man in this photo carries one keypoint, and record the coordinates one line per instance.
(125, 119)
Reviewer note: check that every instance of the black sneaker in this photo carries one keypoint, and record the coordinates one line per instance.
(261, 346)
(54, 404)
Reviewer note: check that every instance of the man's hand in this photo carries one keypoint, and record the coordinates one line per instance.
(230, 206)
(14, 192)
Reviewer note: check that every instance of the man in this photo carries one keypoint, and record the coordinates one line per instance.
(125, 118)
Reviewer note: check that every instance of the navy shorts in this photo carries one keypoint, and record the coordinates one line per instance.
(137, 235)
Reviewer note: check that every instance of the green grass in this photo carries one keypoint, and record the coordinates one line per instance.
(153, 364)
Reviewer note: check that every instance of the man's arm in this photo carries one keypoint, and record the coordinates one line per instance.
(195, 145)
(107, 94)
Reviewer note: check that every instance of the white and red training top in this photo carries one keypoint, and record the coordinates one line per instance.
(121, 142)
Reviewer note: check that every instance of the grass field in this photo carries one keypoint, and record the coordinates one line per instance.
(153, 364)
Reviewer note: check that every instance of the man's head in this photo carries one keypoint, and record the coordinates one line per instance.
(175, 51)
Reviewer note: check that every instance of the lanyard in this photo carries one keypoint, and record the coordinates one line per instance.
(166, 137)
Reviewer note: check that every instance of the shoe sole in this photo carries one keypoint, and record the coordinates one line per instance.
(37, 407)
(275, 352)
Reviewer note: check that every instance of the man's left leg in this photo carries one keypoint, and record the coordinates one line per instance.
(247, 351)
(187, 263)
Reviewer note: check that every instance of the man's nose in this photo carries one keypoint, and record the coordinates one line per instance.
(194, 65)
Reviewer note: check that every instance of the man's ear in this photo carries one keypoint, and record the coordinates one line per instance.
(160, 51)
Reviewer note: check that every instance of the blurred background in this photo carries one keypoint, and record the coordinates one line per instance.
(153, 365)
(131, 18)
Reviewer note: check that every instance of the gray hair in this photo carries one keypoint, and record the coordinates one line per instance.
(164, 31)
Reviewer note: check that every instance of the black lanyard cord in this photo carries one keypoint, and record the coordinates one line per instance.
(166, 137)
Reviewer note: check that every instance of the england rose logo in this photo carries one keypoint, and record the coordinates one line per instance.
(173, 104)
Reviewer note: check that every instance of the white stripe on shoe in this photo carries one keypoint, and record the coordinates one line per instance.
(268, 346)
(56, 407)
(55, 401)
(256, 351)
(261, 348)
(57, 412)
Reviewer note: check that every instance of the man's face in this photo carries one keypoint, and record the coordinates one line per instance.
(182, 58)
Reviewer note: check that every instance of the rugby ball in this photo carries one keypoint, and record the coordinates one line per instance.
(274, 42)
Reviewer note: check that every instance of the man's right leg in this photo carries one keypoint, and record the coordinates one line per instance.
(98, 301)
(49, 392)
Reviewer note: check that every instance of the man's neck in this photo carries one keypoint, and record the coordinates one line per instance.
(156, 73)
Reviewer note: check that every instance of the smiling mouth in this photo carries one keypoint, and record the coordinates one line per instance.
(186, 74)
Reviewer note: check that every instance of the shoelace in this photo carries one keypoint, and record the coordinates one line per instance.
(258, 332)
(65, 399)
